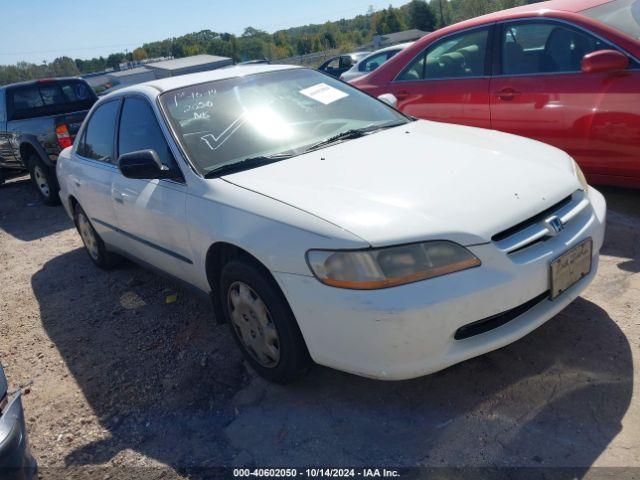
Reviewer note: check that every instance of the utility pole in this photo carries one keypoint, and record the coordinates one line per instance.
(441, 13)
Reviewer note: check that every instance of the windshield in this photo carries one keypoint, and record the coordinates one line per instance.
(228, 121)
(623, 15)
(49, 97)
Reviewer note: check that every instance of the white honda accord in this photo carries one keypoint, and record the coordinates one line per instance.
(328, 227)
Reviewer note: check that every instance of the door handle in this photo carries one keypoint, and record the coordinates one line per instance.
(507, 94)
(402, 94)
(117, 196)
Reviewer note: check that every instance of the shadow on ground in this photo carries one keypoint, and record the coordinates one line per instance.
(623, 210)
(168, 383)
(23, 216)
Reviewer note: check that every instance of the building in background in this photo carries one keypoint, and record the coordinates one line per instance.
(108, 81)
(381, 41)
(193, 64)
(131, 76)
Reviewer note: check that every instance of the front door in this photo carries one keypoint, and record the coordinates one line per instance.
(151, 213)
(449, 81)
(541, 93)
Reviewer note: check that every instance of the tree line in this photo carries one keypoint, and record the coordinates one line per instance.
(345, 35)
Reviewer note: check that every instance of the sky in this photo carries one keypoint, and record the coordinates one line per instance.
(37, 30)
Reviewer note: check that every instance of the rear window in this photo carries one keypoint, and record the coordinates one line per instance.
(49, 98)
(623, 15)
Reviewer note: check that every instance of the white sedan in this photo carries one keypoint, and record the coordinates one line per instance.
(328, 227)
(372, 61)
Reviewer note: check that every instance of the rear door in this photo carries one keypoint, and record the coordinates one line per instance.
(449, 81)
(151, 213)
(540, 92)
(92, 169)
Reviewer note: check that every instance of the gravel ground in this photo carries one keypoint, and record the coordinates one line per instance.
(127, 386)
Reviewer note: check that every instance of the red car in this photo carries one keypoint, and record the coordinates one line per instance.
(565, 72)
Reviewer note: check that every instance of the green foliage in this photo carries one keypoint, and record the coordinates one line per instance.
(60, 67)
(139, 54)
(341, 35)
(420, 15)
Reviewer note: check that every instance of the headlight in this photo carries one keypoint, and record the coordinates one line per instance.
(581, 178)
(391, 266)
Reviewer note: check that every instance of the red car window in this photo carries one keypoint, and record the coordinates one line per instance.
(456, 56)
(544, 47)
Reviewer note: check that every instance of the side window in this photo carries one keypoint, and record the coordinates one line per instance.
(371, 63)
(544, 47)
(97, 141)
(139, 130)
(333, 64)
(457, 56)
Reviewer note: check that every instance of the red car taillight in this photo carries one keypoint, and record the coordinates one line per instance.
(64, 138)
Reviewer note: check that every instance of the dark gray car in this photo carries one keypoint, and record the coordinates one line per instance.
(37, 120)
(16, 461)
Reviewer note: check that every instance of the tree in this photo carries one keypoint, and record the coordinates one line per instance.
(421, 16)
(113, 60)
(394, 20)
(442, 10)
(254, 32)
(63, 67)
(139, 54)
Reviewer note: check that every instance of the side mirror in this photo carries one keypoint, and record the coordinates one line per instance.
(389, 98)
(143, 164)
(604, 61)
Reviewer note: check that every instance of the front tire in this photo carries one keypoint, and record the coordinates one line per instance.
(262, 323)
(44, 179)
(93, 244)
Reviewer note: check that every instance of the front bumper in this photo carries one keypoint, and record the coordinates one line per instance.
(16, 462)
(408, 331)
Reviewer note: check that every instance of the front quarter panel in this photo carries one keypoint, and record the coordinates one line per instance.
(277, 234)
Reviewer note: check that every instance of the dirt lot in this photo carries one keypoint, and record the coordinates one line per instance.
(122, 379)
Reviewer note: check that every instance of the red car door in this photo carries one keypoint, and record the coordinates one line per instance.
(541, 92)
(448, 81)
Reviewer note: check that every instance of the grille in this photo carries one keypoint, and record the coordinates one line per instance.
(533, 230)
(495, 321)
(531, 221)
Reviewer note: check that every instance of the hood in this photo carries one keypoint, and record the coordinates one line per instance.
(421, 181)
(352, 74)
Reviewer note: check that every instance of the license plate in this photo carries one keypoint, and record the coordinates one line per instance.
(570, 267)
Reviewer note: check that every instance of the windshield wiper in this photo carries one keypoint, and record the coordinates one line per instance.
(351, 134)
(246, 164)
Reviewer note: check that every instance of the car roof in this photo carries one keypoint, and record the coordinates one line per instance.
(181, 81)
(39, 81)
(397, 46)
(572, 6)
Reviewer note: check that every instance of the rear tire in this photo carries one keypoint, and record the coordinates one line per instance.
(44, 180)
(262, 323)
(93, 244)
